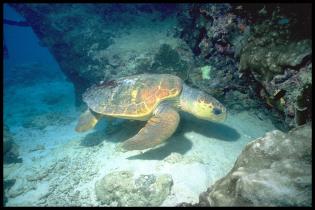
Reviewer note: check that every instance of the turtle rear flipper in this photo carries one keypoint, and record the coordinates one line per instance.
(158, 129)
(87, 121)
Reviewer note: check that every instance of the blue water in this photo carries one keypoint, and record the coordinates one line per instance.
(24, 47)
(34, 86)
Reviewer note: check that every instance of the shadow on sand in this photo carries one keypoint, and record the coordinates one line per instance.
(120, 132)
(209, 129)
(180, 144)
(177, 143)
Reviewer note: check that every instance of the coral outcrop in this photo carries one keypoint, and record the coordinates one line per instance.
(282, 66)
(216, 36)
(169, 60)
(275, 170)
(260, 51)
(122, 188)
(266, 59)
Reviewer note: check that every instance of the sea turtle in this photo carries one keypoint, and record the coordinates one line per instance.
(155, 98)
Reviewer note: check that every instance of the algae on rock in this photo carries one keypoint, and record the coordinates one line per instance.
(205, 72)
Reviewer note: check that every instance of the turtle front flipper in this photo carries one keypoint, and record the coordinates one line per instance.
(158, 128)
(87, 121)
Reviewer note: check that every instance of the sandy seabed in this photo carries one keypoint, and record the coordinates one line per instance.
(60, 166)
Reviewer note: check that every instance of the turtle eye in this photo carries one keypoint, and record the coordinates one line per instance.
(216, 111)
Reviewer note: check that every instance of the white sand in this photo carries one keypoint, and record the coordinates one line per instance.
(208, 152)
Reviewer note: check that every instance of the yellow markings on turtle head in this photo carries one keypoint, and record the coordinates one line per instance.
(203, 107)
(208, 110)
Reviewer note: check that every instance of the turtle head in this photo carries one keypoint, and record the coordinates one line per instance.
(202, 105)
(208, 108)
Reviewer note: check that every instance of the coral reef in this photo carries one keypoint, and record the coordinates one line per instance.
(275, 170)
(10, 148)
(213, 33)
(121, 188)
(168, 60)
(266, 59)
(281, 63)
(257, 50)
(262, 52)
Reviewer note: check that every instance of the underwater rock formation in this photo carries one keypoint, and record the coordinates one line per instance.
(166, 59)
(169, 60)
(282, 67)
(10, 148)
(204, 26)
(121, 188)
(70, 32)
(78, 36)
(215, 35)
(275, 170)
(266, 62)
(262, 51)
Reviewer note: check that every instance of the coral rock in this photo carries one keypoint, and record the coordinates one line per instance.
(122, 188)
(275, 170)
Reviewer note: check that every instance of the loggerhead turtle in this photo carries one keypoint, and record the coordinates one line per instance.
(155, 98)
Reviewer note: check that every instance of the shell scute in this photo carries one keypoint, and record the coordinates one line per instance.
(134, 96)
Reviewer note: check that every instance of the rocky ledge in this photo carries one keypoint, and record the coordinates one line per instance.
(275, 170)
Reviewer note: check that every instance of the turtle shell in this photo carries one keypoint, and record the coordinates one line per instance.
(132, 97)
